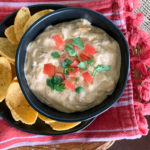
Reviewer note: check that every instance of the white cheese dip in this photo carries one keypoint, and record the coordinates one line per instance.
(39, 53)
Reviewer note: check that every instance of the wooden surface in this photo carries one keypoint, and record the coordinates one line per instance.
(138, 144)
(70, 146)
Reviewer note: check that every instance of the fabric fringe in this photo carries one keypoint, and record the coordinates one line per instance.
(139, 44)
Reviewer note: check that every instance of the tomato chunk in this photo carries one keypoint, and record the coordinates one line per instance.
(84, 57)
(69, 85)
(75, 63)
(87, 77)
(75, 47)
(74, 73)
(49, 69)
(60, 74)
(89, 50)
(59, 41)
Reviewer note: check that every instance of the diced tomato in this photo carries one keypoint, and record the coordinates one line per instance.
(75, 47)
(60, 74)
(74, 73)
(75, 63)
(59, 41)
(84, 57)
(49, 69)
(62, 59)
(89, 50)
(69, 85)
(87, 77)
(72, 78)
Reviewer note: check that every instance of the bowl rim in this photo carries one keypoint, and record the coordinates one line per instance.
(96, 113)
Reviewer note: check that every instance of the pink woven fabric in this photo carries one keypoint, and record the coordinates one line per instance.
(125, 119)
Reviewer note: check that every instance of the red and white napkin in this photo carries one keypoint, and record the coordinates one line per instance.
(125, 119)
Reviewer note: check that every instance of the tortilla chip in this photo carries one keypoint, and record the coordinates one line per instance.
(12, 62)
(15, 79)
(13, 69)
(14, 115)
(5, 77)
(7, 49)
(60, 126)
(11, 36)
(35, 17)
(17, 103)
(22, 17)
(45, 119)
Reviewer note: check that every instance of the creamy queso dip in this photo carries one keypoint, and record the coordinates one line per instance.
(72, 66)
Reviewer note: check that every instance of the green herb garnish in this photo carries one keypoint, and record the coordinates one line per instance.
(56, 79)
(55, 55)
(59, 87)
(77, 42)
(55, 83)
(82, 65)
(67, 69)
(101, 68)
(50, 84)
(90, 62)
(69, 48)
(79, 89)
(77, 79)
(66, 63)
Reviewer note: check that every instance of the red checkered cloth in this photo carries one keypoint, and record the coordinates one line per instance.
(124, 120)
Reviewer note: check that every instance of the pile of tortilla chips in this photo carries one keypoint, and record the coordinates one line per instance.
(9, 86)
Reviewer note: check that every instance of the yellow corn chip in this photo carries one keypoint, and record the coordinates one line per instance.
(5, 77)
(14, 115)
(11, 36)
(45, 119)
(17, 103)
(35, 17)
(7, 49)
(13, 70)
(15, 79)
(21, 18)
(60, 126)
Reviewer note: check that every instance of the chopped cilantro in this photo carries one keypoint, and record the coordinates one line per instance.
(66, 70)
(59, 87)
(79, 89)
(82, 65)
(77, 79)
(69, 48)
(55, 55)
(55, 83)
(101, 68)
(56, 79)
(77, 56)
(66, 63)
(77, 42)
(50, 84)
(90, 62)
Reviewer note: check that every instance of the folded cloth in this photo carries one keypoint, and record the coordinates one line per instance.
(124, 120)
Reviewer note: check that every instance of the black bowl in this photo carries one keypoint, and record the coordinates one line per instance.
(39, 127)
(62, 15)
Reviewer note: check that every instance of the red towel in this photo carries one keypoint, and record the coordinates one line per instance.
(122, 121)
